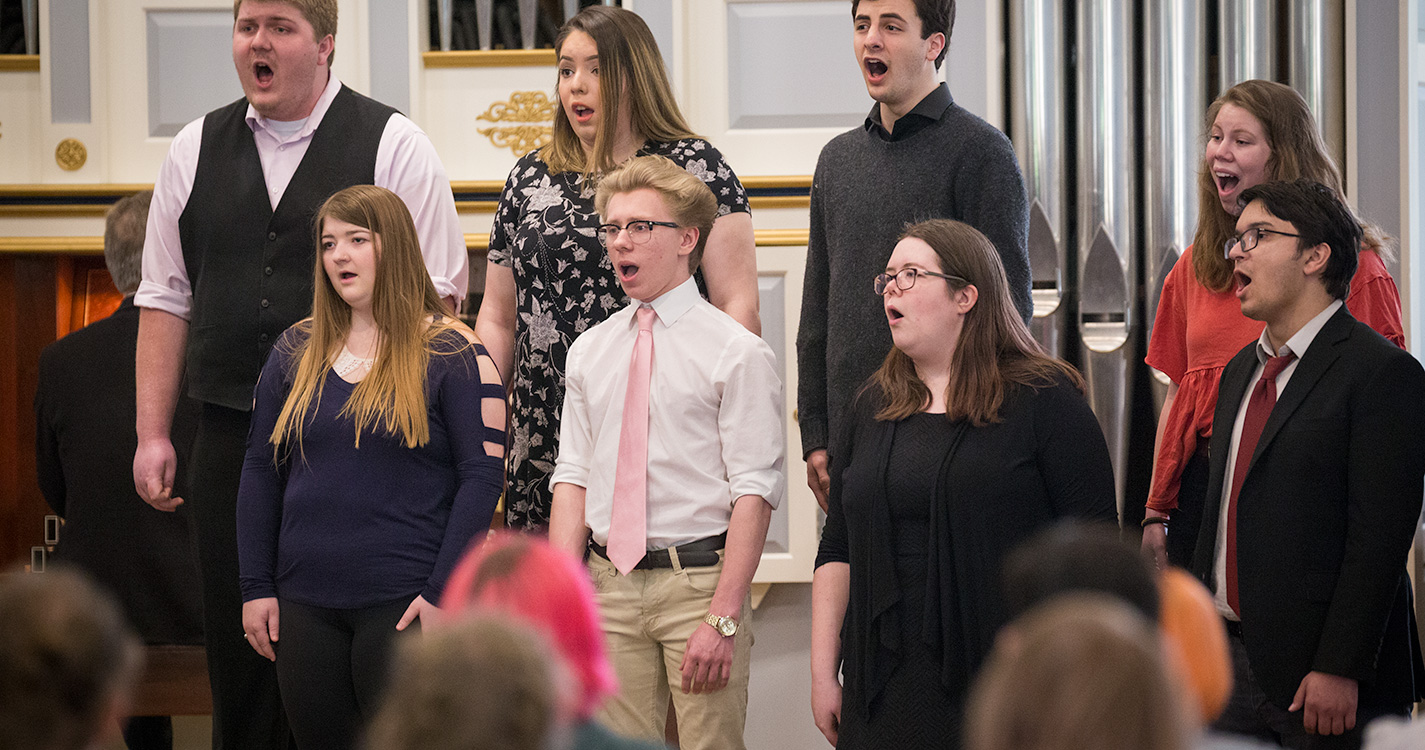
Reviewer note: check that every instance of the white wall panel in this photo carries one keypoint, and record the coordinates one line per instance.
(785, 69)
(454, 99)
(19, 126)
(190, 66)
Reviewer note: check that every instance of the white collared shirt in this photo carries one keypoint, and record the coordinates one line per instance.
(1297, 344)
(406, 164)
(715, 427)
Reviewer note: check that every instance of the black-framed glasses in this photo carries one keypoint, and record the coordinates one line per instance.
(639, 230)
(905, 279)
(1249, 240)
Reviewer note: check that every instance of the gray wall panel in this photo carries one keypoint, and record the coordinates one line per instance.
(772, 301)
(390, 56)
(782, 71)
(69, 61)
(658, 14)
(190, 67)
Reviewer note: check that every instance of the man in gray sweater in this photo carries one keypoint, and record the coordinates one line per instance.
(918, 156)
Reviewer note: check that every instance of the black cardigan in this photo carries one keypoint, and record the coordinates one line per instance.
(998, 484)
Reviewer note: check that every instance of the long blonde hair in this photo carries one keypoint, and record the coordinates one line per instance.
(995, 349)
(409, 316)
(1297, 151)
(629, 65)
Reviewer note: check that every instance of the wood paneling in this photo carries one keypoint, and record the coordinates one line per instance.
(28, 321)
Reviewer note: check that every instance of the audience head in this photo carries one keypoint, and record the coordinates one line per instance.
(1071, 557)
(686, 200)
(482, 683)
(1082, 671)
(1314, 213)
(637, 102)
(1196, 642)
(962, 306)
(529, 580)
(124, 229)
(68, 661)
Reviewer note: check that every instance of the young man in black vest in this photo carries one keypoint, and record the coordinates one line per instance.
(918, 156)
(228, 266)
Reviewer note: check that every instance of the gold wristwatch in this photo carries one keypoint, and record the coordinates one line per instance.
(725, 626)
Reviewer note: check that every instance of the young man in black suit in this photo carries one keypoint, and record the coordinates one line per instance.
(84, 447)
(1313, 496)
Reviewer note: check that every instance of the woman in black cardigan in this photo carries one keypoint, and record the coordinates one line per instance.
(967, 440)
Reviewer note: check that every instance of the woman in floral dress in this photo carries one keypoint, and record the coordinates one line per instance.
(548, 278)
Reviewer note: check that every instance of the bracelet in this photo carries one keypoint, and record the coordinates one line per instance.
(1150, 520)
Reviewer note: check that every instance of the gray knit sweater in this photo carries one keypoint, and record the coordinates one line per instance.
(865, 192)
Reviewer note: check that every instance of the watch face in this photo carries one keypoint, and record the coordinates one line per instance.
(727, 626)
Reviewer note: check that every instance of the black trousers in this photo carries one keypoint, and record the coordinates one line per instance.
(247, 710)
(1185, 520)
(332, 666)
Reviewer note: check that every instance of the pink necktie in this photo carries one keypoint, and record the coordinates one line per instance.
(1259, 407)
(628, 527)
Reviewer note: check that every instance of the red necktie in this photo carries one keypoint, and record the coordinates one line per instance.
(628, 524)
(1259, 407)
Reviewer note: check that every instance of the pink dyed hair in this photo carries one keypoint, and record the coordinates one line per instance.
(529, 579)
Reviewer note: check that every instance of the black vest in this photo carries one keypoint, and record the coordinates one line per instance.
(250, 267)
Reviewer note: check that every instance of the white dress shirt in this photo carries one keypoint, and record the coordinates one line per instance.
(1297, 344)
(715, 426)
(406, 164)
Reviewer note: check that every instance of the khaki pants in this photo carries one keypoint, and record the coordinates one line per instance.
(647, 618)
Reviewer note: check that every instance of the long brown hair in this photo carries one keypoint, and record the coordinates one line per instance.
(629, 66)
(1297, 151)
(995, 350)
(392, 397)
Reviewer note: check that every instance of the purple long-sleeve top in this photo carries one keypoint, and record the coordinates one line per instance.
(334, 525)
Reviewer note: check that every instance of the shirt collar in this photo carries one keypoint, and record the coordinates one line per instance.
(930, 109)
(257, 122)
(1301, 340)
(671, 305)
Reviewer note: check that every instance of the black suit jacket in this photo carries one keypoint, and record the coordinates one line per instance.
(85, 443)
(1326, 515)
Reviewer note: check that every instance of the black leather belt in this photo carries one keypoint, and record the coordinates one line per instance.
(699, 554)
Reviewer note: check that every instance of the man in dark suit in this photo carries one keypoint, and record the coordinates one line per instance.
(1314, 496)
(85, 441)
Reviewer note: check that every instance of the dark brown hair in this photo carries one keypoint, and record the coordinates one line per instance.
(995, 350)
(935, 15)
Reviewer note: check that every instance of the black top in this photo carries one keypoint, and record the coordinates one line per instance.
(343, 526)
(991, 488)
(250, 266)
(930, 109)
(84, 456)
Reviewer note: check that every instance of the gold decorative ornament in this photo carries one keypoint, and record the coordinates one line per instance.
(527, 108)
(70, 154)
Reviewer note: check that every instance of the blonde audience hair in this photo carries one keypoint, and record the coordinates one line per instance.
(995, 351)
(484, 683)
(1081, 671)
(688, 198)
(1297, 151)
(410, 316)
(630, 70)
(321, 14)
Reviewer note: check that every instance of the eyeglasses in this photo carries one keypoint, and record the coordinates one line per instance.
(1249, 240)
(639, 230)
(905, 279)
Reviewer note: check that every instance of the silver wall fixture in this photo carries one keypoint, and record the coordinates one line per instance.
(1316, 69)
(1174, 99)
(1108, 279)
(1247, 35)
(1039, 73)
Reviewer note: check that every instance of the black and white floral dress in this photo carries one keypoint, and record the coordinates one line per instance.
(564, 285)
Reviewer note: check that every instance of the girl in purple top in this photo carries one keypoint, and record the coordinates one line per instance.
(375, 457)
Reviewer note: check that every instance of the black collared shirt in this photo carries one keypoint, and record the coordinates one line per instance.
(930, 109)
